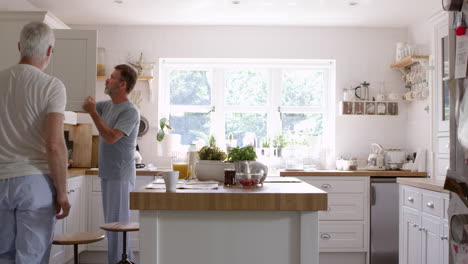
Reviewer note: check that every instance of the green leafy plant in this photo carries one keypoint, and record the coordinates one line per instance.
(212, 142)
(265, 142)
(280, 142)
(163, 129)
(212, 153)
(245, 153)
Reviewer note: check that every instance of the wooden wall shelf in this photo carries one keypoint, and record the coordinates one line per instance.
(408, 61)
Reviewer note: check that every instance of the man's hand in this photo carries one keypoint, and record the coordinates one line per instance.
(89, 105)
(62, 205)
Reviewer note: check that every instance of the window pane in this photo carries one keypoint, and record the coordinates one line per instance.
(190, 87)
(191, 126)
(302, 126)
(247, 88)
(241, 123)
(302, 88)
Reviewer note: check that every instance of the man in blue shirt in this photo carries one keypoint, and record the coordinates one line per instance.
(117, 121)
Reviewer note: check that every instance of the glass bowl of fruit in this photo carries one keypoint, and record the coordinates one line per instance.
(249, 180)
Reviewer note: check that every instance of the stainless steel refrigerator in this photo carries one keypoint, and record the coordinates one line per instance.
(457, 174)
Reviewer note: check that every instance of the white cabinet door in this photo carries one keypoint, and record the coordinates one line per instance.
(57, 253)
(96, 219)
(430, 230)
(74, 63)
(76, 220)
(410, 240)
(445, 244)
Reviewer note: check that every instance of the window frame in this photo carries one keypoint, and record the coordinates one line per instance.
(273, 109)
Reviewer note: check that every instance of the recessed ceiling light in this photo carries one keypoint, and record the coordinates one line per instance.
(118, 1)
(235, 2)
(352, 2)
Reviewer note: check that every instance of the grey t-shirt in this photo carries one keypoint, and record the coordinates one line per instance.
(117, 161)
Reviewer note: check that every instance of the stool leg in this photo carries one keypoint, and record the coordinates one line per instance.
(75, 253)
(124, 259)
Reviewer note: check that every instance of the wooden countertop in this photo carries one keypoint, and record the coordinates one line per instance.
(298, 196)
(138, 172)
(74, 172)
(354, 173)
(425, 183)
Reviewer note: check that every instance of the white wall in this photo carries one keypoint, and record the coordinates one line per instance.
(419, 120)
(361, 54)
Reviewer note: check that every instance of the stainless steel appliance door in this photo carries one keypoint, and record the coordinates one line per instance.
(384, 221)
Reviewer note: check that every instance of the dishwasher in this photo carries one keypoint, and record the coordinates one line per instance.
(384, 220)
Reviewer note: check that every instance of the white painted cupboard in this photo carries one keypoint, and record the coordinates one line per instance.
(344, 227)
(75, 222)
(74, 58)
(423, 226)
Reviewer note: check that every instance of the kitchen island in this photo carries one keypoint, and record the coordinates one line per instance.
(275, 224)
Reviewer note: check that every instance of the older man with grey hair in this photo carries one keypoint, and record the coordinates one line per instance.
(33, 155)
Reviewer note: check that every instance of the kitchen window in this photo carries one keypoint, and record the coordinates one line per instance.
(248, 98)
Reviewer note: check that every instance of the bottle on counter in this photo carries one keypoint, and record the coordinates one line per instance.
(192, 157)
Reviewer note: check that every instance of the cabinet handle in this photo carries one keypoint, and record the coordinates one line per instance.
(430, 204)
(443, 237)
(326, 186)
(325, 236)
(415, 225)
(422, 229)
(410, 199)
(329, 209)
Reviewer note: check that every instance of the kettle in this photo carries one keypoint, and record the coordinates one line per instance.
(376, 158)
(363, 91)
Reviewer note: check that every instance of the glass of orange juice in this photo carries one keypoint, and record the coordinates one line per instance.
(182, 168)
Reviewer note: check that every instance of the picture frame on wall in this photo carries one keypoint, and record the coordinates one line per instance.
(358, 108)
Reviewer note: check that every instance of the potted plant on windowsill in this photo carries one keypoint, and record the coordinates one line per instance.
(211, 163)
(265, 143)
(168, 141)
(278, 144)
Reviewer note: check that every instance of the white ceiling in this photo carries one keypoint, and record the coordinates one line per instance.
(374, 13)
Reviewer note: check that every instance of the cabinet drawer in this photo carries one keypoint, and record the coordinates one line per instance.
(341, 235)
(432, 204)
(338, 186)
(443, 145)
(412, 198)
(344, 207)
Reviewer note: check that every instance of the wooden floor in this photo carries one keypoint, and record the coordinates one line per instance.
(98, 257)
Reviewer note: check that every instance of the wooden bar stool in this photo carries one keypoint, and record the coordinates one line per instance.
(122, 227)
(76, 239)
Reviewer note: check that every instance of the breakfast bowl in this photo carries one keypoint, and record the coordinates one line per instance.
(249, 180)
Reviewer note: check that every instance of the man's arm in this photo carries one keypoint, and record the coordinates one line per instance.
(57, 157)
(109, 135)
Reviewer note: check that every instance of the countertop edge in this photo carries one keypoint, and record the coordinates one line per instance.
(354, 173)
(425, 183)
